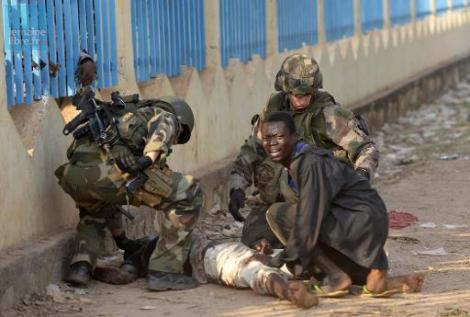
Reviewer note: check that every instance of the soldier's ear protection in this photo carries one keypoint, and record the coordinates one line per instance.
(184, 135)
(278, 83)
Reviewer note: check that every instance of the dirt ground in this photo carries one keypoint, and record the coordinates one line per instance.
(425, 170)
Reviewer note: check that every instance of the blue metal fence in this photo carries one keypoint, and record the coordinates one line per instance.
(457, 4)
(339, 19)
(423, 8)
(242, 29)
(400, 12)
(441, 6)
(42, 42)
(371, 15)
(166, 35)
(303, 28)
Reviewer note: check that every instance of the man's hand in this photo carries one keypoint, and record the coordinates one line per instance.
(86, 72)
(237, 201)
(127, 163)
(364, 172)
(263, 246)
(272, 261)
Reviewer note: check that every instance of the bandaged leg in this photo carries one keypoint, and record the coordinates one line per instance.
(232, 264)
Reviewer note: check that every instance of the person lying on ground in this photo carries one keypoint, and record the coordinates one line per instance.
(340, 223)
(227, 263)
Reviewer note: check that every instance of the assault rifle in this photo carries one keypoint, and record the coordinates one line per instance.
(95, 118)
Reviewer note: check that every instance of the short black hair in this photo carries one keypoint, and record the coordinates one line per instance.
(282, 116)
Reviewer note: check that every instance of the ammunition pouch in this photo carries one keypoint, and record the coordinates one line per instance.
(158, 185)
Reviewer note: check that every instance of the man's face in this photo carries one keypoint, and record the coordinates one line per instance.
(299, 102)
(278, 142)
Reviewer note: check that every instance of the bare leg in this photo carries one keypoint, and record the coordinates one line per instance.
(295, 292)
(376, 281)
(336, 279)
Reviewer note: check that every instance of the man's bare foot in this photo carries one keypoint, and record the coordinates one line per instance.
(300, 296)
(337, 282)
(410, 283)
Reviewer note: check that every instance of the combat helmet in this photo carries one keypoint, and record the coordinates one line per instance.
(183, 112)
(299, 75)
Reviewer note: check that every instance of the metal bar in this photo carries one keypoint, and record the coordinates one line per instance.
(7, 39)
(60, 47)
(68, 47)
(90, 25)
(83, 23)
(99, 43)
(52, 41)
(112, 32)
(135, 38)
(43, 47)
(35, 42)
(26, 39)
(75, 32)
(106, 47)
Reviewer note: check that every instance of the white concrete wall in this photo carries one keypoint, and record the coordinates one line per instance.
(224, 100)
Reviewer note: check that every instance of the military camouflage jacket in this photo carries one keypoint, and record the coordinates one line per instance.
(323, 123)
(144, 129)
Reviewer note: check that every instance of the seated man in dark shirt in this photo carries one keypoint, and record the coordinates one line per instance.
(340, 223)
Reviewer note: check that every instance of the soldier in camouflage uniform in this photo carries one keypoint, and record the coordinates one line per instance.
(96, 176)
(319, 120)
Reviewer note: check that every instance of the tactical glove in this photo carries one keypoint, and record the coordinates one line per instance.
(237, 201)
(127, 163)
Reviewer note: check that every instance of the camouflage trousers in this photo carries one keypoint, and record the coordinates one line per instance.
(97, 187)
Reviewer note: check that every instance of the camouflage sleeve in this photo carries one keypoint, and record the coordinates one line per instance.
(342, 129)
(162, 131)
(241, 175)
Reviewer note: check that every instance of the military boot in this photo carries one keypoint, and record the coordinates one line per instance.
(137, 263)
(130, 246)
(80, 273)
(164, 281)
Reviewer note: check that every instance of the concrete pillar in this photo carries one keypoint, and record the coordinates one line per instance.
(125, 52)
(321, 22)
(387, 16)
(357, 18)
(272, 34)
(433, 7)
(212, 29)
(413, 11)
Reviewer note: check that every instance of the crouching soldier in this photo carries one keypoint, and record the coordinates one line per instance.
(118, 157)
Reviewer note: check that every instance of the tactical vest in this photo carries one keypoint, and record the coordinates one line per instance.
(310, 122)
(132, 127)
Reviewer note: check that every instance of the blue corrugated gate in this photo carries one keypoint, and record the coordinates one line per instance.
(371, 15)
(458, 4)
(423, 8)
(42, 40)
(296, 23)
(166, 35)
(339, 19)
(400, 12)
(441, 6)
(242, 29)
